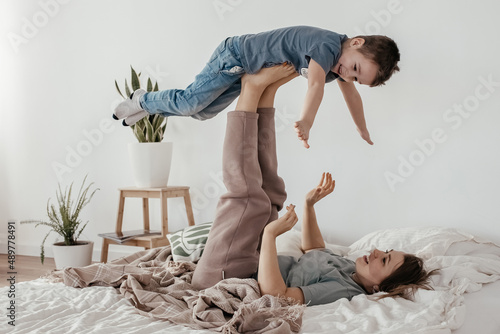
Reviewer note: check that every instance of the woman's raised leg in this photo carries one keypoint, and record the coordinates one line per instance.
(273, 185)
(242, 212)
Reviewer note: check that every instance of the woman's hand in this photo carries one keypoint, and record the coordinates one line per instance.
(282, 224)
(324, 188)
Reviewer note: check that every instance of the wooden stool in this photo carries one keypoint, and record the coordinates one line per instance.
(146, 193)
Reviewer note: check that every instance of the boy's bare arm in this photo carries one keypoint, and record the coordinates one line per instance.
(355, 106)
(315, 89)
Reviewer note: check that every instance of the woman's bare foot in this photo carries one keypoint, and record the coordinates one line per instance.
(267, 76)
(253, 85)
(302, 128)
(267, 98)
(275, 85)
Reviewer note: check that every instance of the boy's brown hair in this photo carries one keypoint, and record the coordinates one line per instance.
(384, 52)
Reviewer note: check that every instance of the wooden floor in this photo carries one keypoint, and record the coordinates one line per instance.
(27, 268)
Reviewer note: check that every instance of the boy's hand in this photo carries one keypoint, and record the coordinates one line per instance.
(302, 128)
(365, 135)
(324, 188)
(282, 224)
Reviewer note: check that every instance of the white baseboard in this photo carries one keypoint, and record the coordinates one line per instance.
(115, 251)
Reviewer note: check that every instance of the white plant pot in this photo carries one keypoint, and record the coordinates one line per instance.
(79, 255)
(151, 163)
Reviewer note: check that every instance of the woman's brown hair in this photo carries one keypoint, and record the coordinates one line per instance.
(405, 280)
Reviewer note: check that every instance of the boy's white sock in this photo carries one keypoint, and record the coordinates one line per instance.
(131, 120)
(130, 106)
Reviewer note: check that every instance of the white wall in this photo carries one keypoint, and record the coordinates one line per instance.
(58, 84)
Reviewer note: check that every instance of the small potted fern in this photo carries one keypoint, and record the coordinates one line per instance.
(65, 221)
(151, 158)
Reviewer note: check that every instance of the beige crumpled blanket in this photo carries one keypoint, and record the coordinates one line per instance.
(160, 288)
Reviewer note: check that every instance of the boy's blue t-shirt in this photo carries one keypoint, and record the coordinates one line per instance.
(297, 45)
(322, 276)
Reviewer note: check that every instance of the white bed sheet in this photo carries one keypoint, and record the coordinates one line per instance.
(482, 311)
(54, 308)
(43, 307)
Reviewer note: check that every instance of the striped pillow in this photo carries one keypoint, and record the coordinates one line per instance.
(188, 244)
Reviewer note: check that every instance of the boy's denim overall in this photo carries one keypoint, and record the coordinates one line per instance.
(215, 88)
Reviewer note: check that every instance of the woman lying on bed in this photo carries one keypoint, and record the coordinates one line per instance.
(247, 219)
(321, 277)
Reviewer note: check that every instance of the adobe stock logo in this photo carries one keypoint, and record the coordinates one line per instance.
(224, 6)
(454, 116)
(30, 27)
(381, 18)
(83, 148)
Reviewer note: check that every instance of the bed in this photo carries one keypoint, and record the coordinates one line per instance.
(466, 296)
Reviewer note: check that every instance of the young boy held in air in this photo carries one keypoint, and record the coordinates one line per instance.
(319, 55)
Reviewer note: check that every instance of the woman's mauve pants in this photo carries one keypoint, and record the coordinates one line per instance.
(255, 194)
